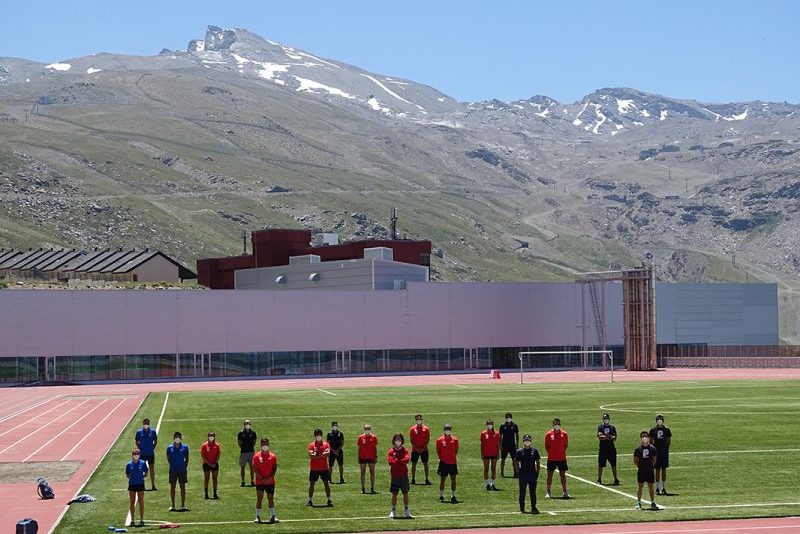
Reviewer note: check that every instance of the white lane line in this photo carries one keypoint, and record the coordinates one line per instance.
(96, 466)
(460, 386)
(34, 418)
(326, 391)
(557, 512)
(52, 421)
(29, 408)
(12, 403)
(51, 440)
(92, 430)
(128, 517)
(692, 453)
(607, 488)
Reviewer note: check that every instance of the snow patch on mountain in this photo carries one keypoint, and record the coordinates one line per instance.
(376, 105)
(601, 119)
(578, 121)
(92, 70)
(239, 59)
(379, 84)
(315, 58)
(62, 67)
(624, 105)
(663, 115)
(645, 113)
(312, 86)
(269, 71)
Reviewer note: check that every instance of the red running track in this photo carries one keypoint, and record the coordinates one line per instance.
(80, 423)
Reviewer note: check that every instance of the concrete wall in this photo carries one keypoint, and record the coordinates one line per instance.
(157, 269)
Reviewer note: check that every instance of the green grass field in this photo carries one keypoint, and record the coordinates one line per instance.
(734, 454)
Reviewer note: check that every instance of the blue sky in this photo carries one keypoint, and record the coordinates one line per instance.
(709, 50)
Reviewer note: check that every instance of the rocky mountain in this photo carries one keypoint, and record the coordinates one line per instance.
(183, 150)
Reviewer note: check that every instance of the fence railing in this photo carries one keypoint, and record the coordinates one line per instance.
(732, 356)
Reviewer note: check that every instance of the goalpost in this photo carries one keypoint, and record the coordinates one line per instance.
(582, 353)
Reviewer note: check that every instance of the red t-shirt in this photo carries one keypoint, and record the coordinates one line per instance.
(210, 452)
(398, 461)
(367, 447)
(420, 436)
(318, 461)
(555, 443)
(263, 464)
(490, 443)
(447, 449)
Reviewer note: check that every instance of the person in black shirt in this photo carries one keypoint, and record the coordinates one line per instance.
(510, 443)
(247, 443)
(644, 458)
(526, 464)
(336, 441)
(661, 437)
(607, 434)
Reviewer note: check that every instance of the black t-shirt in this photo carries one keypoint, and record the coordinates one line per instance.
(509, 432)
(607, 431)
(659, 435)
(336, 439)
(247, 438)
(527, 459)
(646, 457)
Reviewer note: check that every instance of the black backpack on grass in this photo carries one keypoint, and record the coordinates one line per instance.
(27, 526)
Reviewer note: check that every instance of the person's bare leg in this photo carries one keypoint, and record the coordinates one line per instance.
(241, 471)
(133, 504)
(183, 495)
(152, 474)
(327, 489)
(599, 473)
(549, 481)
(259, 500)
(140, 497)
(486, 470)
(214, 475)
(425, 465)
(494, 469)
(206, 475)
(372, 477)
(363, 473)
(563, 481)
(172, 494)
(652, 492)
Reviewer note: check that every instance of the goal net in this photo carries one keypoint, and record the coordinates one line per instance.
(565, 359)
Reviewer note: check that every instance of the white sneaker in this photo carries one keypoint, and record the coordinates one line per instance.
(391, 514)
(408, 515)
(546, 495)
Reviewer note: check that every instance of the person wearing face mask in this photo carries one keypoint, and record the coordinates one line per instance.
(527, 464)
(510, 432)
(367, 456)
(265, 465)
(398, 465)
(420, 436)
(146, 442)
(336, 441)
(247, 443)
(661, 438)
(490, 449)
(607, 453)
(136, 471)
(644, 458)
(556, 442)
(447, 450)
(318, 452)
(178, 459)
(210, 452)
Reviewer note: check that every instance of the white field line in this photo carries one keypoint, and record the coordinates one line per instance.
(555, 512)
(326, 391)
(45, 425)
(607, 488)
(460, 386)
(34, 418)
(51, 440)
(128, 517)
(92, 430)
(688, 453)
(29, 408)
(12, 403)
(96, 466)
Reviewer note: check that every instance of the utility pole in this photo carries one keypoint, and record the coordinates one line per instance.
(244, 241)
(393, 221)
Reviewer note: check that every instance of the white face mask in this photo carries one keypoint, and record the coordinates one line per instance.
(419, 422)
(659, 422)
(606, 421)
(489, 427)
(367, 432)
(526, 443)
(556, 427)
(318, 438)
(508, 419)
(135, 457)
(645, 441)
(265, 448)
(335, 428)
(447, 432)
(247, 427)
(145, 427)
(397, 443)
(211, 439)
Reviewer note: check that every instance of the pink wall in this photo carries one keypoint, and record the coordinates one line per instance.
(432, 315)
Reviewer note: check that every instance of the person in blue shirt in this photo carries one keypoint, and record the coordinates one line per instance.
(136, 470)
(178, 459)
(146, 441)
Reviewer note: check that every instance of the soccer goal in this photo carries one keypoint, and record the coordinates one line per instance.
(565, 358)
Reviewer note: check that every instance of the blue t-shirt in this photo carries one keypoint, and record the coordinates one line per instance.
(146, 441)
(177, 457)
(136, 472)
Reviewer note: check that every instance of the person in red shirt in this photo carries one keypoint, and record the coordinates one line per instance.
(556, 442)
(265, 465)
(318, 452)
(490, 450)
(367, 456)
(447, 450)
(420, 437)
(398, 465)
(210, 452)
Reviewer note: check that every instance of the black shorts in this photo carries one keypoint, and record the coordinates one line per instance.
(399, 484)
(336, 457)
(416, 456)
(447, 469)
(662, 459)
(177, 476)
(150, 458)
(609, 456)
(269, 488)
(646, 476)
(210, 467)
(313, 476)
(364, 461)
(510, 450)
(490, 457)
(561, 465)
(136, 487)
